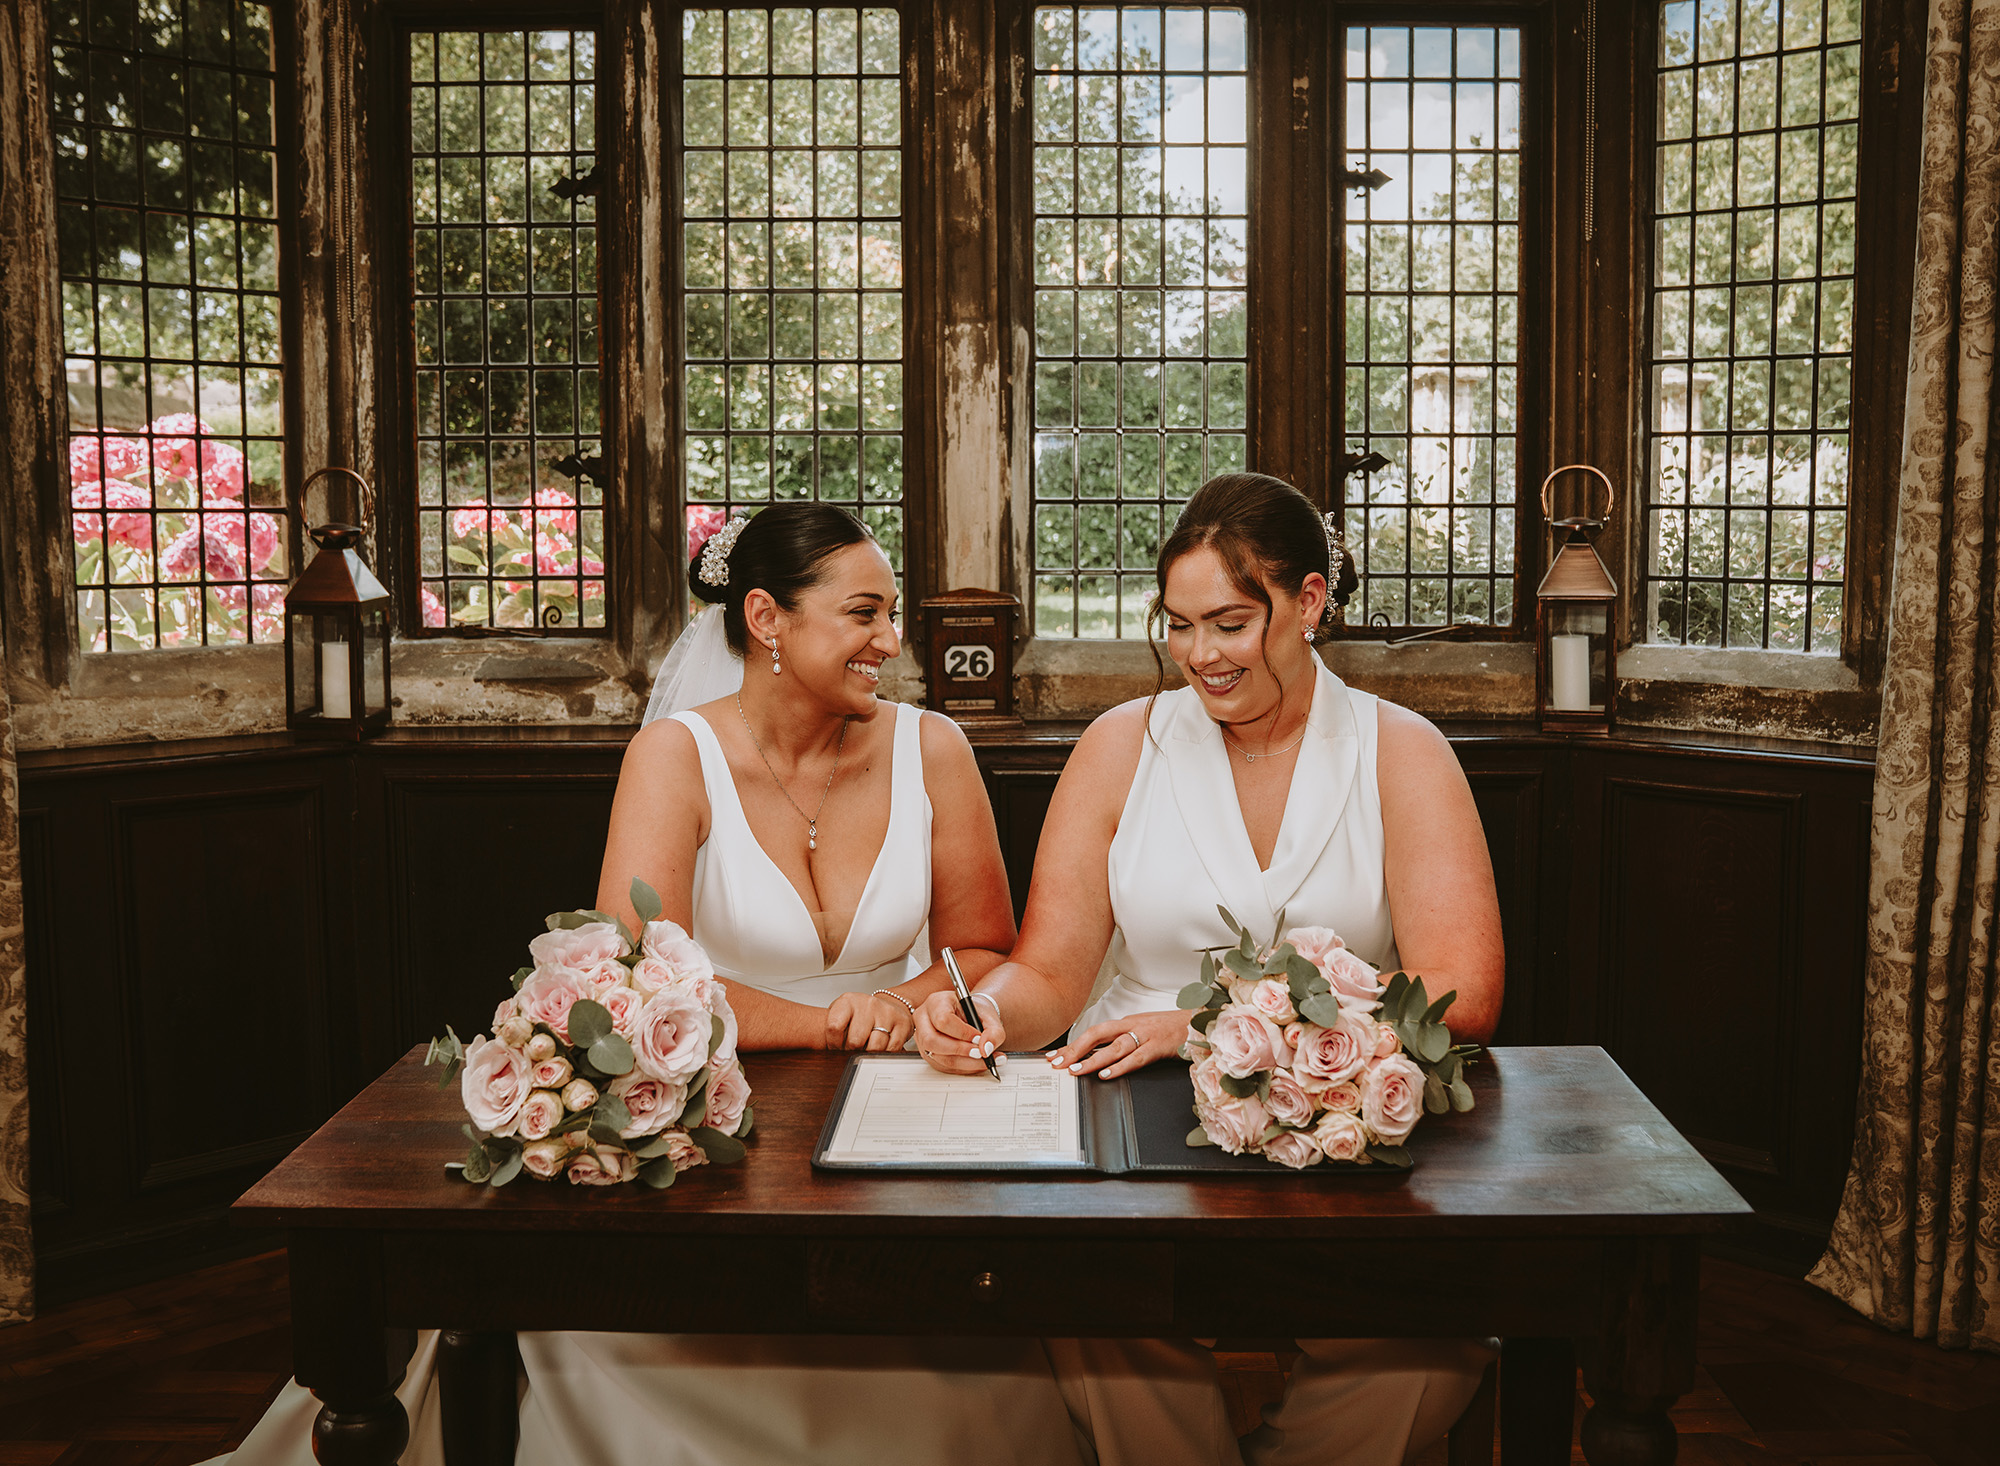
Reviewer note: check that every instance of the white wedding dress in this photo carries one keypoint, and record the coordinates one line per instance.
(1181, 851)
(725, 1400)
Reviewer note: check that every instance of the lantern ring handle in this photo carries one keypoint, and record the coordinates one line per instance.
(1610, 495)
(367, 493)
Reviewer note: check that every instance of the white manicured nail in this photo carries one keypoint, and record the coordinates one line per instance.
(973, 1052)
(989, 1048)
(1076, 1068)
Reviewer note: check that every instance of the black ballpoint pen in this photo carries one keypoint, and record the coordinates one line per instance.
(965, 1005)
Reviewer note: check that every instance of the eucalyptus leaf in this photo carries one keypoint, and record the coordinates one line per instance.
(743, 1130)
(645, 901)
(1433, 1041)
(648, 1149)
(1393, 995)
(570, 1123)
(603, 1134)
(1461, 1095)
(1194, 995)
(448, 1051)
(504, 1145)
(721, 1150)
(505, 1169)
(1418, 1000)
(1279, 961)
(1435, 1013)
(521, 975)
(563, 921)
(611, 1055)
(1278, 926)
(657, 1173)
(610, 1110)
(1390, 1155)
(717, 1031)
(1198, 1137)
(1208, 969)
(1243, 964)
(1241, 1088)
(1434, 1095)
(1231, 922)
(1245, 946)
(475, 1136)
(1201, 1021)
(1264, 1085)
(1321, 1008)
(478, 1166)
(589, 1021)
(697, 1102)
(1271, 1132)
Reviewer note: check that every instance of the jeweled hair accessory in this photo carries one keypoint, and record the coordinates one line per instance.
(715, 554)
(1336, 541)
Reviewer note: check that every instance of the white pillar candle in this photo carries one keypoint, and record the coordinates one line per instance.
(1569, 673)
(334, 701)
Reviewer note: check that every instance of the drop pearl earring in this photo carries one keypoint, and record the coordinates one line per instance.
(774, 659)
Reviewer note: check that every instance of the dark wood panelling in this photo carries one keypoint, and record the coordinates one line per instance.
(475, 863)
(272, 925)
(221, 925)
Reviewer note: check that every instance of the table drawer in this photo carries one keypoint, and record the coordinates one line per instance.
(979, 1285)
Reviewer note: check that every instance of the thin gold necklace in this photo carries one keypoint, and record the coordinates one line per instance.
(1251, 758)
(812, 820)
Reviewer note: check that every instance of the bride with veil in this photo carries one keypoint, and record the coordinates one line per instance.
(815, 840)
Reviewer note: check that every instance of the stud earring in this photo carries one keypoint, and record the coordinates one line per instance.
(774, 656)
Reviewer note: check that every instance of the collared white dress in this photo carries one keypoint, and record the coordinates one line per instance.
(701, 1400)
(1181, 851)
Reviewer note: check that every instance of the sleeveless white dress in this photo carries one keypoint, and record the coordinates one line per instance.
(723, 1400)
(1181, 851)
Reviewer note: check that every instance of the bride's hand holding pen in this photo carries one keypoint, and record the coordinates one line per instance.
(950, 1044)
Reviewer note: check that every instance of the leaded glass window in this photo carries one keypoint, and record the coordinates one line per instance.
(792, 202)
(1141, 236)
(168, 248)
(1432, 272)
(1752, 322)
(504, 310)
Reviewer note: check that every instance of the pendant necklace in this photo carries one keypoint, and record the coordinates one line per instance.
(812, 820)
(1251, 758)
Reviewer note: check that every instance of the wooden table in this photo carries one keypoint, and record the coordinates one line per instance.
(1564, 1210)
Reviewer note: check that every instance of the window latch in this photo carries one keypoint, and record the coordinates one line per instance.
(570, 188)
(1355, 179)
(1353, 463)
(572, 467)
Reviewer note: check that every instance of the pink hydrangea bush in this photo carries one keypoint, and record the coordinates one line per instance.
(1301, 1054)
(541, 537)
(615, 1059)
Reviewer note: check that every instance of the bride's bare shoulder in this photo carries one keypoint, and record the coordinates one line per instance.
(663, 749)
(1109, 749)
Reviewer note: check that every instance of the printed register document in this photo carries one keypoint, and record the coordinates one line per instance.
(897, 1110)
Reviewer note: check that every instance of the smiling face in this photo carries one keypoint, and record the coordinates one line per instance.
(843, 628)
(1228, 646)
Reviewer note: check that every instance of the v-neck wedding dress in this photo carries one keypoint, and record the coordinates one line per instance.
(735, 1400)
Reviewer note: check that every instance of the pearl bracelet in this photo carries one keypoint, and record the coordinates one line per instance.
(885, 993)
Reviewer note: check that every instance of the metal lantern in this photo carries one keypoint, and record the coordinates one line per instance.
(1576, 653)
(337, 638)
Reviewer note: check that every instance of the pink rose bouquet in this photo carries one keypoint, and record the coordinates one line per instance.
(614, 1061)
(1302, 1054)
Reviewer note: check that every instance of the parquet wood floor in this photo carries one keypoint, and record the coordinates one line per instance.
(174, 1372)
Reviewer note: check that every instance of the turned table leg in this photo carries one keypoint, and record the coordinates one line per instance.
(343, 1351)
(1537, 1401)
(1642, 1359)
(478, 1397)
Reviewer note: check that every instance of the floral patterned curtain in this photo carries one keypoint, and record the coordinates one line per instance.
(1917, 1243)
(17, 1250)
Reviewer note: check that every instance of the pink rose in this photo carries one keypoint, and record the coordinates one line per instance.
(715, 998)
(579, 1095)
(601, 977)
(516, 1032)
(1245, 1042)
(542, 1112)
(506, 1010)
(1288, 1102)
(548, 995)
(607, 1166)
(1207, 1076)
(1392, 1098)
(1273, 999)
(666, 942)
(623, 1004)
(1352, 979)
(682, 1150)
(670, 1036)
(1237, 1125)
(653, 1105)
(544, 1158)
(552, 1073)
(494, 1085)
(1343, 1095)
(578, 948)
(1386, 1042)
(1341, 1137)
(1338, 1052)
(650, 974)
(540, 1047)
(728, 1094)
(1293, 1148)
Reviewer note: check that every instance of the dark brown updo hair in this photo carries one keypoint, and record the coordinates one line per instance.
(781, 551)
(1263, 529)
